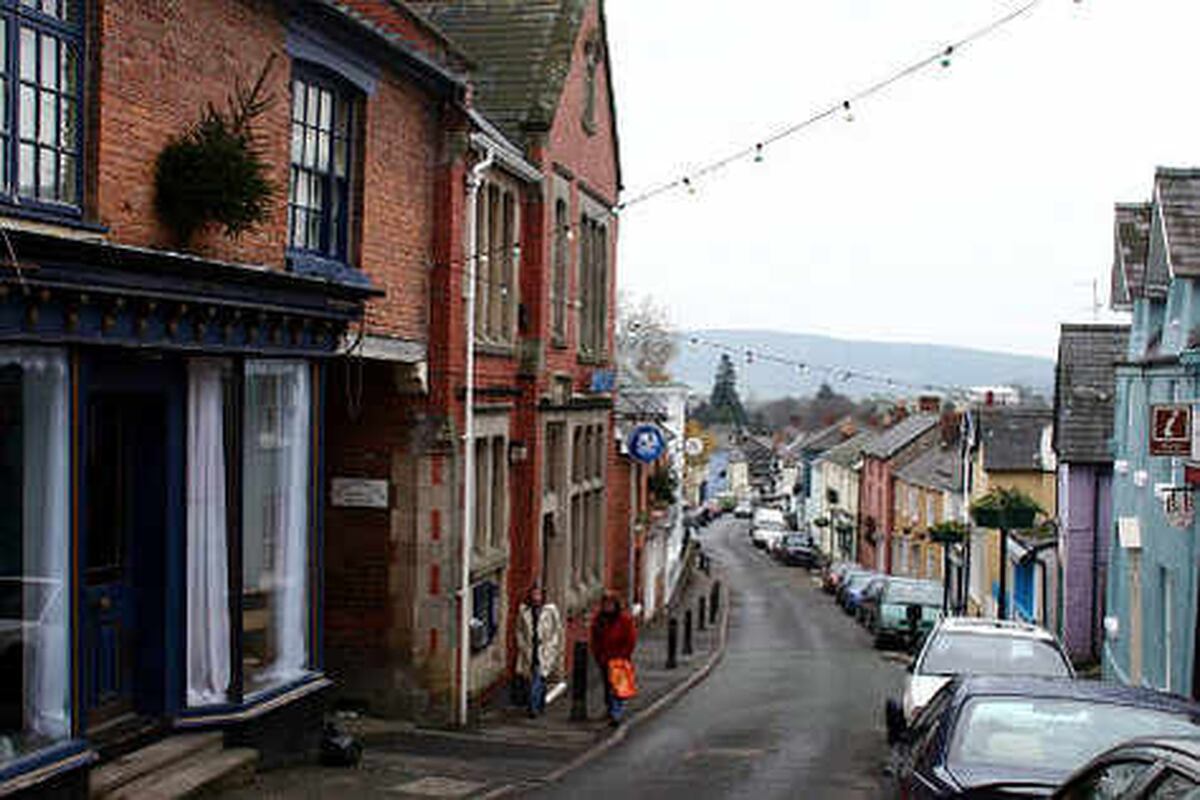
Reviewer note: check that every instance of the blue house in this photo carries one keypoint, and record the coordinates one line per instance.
(1150, 621)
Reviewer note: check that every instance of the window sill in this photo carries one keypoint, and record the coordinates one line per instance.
(558, 343)
(66, 218)
(495, 349)
(488, 562)
(255, 705)
(40, 766)
(592, 360)
(315, 266)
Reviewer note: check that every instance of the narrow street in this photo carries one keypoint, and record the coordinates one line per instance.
(794, 709)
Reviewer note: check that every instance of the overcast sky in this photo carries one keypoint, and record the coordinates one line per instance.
(969, 205)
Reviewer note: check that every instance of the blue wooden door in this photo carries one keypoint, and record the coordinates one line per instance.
(125, 515)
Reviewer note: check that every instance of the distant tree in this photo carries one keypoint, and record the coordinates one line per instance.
(724, 401)
(645, 344)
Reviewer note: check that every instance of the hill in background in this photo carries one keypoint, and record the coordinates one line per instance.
(760, 380)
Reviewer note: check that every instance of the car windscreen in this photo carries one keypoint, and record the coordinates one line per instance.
(1051, 734)
(906, 592)
(797, 541)
(962, 653)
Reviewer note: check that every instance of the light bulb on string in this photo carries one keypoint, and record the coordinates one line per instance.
(694, 341)
(570, 232)
(758, 153)
(687, 183)
(946, 55)
(749, 356)
(849, 115)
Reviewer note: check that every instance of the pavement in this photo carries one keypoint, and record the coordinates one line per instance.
(793, 709)
(506, 754)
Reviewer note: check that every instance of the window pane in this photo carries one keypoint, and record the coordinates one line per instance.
(314, 101)
(326, 115)
(28, 112)
(310, 147)
(275, 522)
(25, 168)
(49, 76)
(69, 73)
(68, 130)
(298, 90)
(28, 55)
(3, 45)
(297, 144)
(34, 585)
(48, 119)
(341, 153)
(68, 186)
(47, 171)
(323, 151)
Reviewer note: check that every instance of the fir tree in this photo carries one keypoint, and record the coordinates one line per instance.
(724, 401)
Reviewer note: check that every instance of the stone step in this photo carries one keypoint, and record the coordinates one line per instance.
(201, 774)
(153, 758)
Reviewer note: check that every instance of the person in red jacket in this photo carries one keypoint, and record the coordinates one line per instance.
(613, 636)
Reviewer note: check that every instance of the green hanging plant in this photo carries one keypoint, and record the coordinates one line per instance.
(949, 532)
(215, 172)
(1008, 509)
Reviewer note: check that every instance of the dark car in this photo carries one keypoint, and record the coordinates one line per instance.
(1142, 769)
(833, 574)
(796, 550)
(1022, 737)
(856, 588)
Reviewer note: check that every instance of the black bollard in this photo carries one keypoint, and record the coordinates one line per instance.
(672, 642)
(703, 616)
(579, 671)
(714, 602)
(687, 632)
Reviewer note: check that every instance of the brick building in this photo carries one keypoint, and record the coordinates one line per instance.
(162, 404)
(518, 180)
(887, 452)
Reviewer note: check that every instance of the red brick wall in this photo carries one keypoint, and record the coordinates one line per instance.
(159, 64)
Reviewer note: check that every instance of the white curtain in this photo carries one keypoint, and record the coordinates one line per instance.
(207, 550)
(278, 431)
(45, 504)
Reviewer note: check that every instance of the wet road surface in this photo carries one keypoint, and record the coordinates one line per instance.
(795, 708)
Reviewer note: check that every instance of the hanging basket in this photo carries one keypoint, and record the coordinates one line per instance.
(1006, 509)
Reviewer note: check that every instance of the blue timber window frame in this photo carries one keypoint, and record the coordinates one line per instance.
(41, 105)
(324, 166)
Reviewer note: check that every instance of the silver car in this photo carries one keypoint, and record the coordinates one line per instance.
(978, 646)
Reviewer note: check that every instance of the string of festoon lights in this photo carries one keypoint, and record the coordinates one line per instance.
(752, 354)
(846, 107)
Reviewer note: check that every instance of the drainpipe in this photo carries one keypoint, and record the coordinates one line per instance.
(474, 179)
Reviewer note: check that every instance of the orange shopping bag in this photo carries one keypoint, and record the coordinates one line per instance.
(622, 678)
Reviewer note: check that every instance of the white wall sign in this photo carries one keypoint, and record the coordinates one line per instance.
(358, 493)
(1129, 533)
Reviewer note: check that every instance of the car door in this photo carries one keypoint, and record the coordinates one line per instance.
(1119, 777)
(917, 754)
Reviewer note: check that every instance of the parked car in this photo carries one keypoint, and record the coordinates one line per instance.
(766, 535)
(796, 550)
(986, 736)
(977, 646)
(743, 510)
(851, 593)
(1145, 769)
(765, 516)
(833, 574)
(902, 611)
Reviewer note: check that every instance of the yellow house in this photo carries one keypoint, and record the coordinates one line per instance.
(1015, 452)
(928, 492)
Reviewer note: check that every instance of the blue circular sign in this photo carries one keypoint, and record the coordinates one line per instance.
(647, 444)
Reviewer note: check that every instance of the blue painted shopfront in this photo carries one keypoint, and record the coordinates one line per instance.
(160, 506)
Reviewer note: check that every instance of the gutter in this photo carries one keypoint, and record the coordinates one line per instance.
(487, 138)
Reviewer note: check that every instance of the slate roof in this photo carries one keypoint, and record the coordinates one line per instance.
(1177, 199)
(1012, 438)
(849, 451)
(891, 441)
(1084, 388)
(521, 50)
(939, 468)
(1131, 241)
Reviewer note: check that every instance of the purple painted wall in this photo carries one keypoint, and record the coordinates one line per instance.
(1085, 517)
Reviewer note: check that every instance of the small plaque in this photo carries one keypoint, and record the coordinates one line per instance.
(1171, 430)
(1129, 532)
(358, 493)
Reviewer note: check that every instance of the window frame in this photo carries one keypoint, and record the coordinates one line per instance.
(325, 261)
(17, 16)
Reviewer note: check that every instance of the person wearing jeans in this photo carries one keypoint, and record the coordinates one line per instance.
(613, 636)
(539, 642)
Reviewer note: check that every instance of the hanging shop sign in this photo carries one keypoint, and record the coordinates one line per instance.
(1178, 506)
(647, 444)
(1171, 430)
